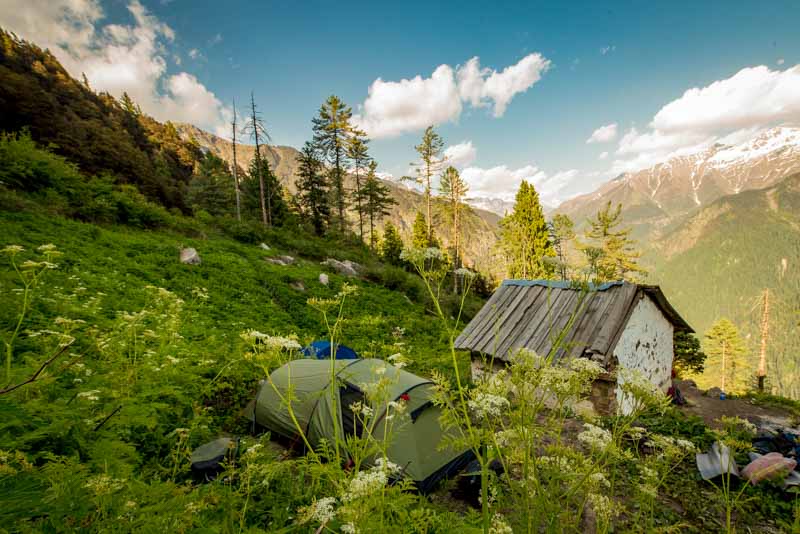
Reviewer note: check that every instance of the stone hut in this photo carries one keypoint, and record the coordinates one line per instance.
(618, 324)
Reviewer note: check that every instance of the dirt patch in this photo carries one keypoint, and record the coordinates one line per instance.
(712, 408)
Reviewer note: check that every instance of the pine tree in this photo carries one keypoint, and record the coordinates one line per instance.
(617, 257)
(312, 188)
(332, 130)
(431, 162)
(525, 237)
(689, 357)
(453, 190)
(391, 244)
(258, 132)
(258, 183)
(210, 188)
(359, 157)
(420, 237)
(727, 365)
(376, 199)
(562, 232)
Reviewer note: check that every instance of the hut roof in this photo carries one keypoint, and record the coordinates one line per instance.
(536, 314)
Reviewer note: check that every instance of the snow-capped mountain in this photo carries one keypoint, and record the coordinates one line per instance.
(495, 205)
(654, 196)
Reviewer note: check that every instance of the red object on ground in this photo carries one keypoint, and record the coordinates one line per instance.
(405, 397)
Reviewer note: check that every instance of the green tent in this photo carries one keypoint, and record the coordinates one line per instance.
(415, 444)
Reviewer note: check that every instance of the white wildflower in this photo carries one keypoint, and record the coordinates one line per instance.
(595, 437)
(586, 366)
(91, 395)
(466, 273)
(387, 466)
(499, 525)
(603, 506)
(599, 480)
(365, 483)
(486, 405)
(349, 528)
(12, 250)
(322, 510)
(253, 451)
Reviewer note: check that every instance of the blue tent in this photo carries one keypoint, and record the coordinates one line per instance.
(321, 350)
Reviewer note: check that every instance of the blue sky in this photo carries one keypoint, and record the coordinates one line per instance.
(618, 64)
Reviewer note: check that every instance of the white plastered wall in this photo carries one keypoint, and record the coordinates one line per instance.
(645, 345)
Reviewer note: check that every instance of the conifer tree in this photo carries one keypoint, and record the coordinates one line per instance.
(430, 164)
(453, 190)
(562, 232)
(210, 188)
(258, 132)
(265, 181)
(332, 129)
(359, 158)
(376, 199)
(391, 245)
(312, 188)
(610, 250)
(525, 237)
(727, 364)
(420, 237)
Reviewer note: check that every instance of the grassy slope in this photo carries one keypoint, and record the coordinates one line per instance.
(105, 271)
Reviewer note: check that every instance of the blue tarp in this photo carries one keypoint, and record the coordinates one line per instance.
(321, 350)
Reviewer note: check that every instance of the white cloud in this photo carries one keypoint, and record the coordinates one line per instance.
(502, 182)
(215, 40)
(728, 111)
(461, 155)
(604, 134)
(607, 49)
(117, 58)
(780, 61)
(603, 155)
(393, 108)
(481, 86)
(753, 96)
(194, 53)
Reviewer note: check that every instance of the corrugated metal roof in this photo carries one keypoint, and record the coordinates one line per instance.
(541, 314)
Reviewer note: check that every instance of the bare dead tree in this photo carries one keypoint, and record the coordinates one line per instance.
(257, 131)
(235, 169)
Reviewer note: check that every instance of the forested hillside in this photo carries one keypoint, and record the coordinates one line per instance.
(480, 229)
(721, 260)
(100, 134)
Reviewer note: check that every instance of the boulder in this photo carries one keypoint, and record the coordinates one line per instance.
(264, 246)
(283, 261)
(345, 268)
(713, 392)
(323, 279)
(190, 256)
(299, 286)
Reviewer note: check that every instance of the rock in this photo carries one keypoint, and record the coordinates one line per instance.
(323, 279)
(346, 267)
(190, 256)
(298, 286)
(283, 261)
(264, 246)
(713, 392)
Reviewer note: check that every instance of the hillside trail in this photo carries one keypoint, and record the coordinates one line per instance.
(711, 408)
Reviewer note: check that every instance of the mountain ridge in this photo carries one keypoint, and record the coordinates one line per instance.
(480, 228)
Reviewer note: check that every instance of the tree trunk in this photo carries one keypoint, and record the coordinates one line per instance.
(762, 359)
(264, 214)
(235, 170)
(428, 201)
(724, 370)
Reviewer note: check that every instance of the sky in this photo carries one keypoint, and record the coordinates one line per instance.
(564, 94)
